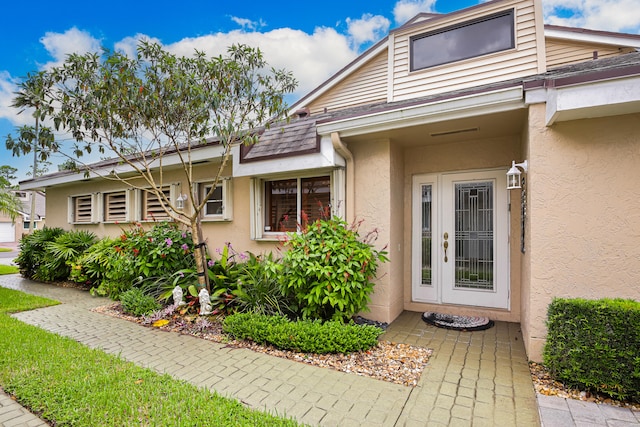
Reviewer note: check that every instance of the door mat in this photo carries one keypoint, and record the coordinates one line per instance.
(458, 323)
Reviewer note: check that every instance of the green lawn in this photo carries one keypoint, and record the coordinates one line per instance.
(8, 269)
(70, 384)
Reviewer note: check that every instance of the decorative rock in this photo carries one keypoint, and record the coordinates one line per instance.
(177, 296)
(205, 302)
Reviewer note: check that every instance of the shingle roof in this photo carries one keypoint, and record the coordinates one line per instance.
(597, 69)
(290, 139)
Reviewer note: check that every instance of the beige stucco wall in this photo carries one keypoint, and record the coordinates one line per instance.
(237, 231)
(463, 156)
(584, 213)
(378, 170)
(525, 258)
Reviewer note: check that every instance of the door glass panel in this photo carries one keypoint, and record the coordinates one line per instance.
(474, 235)
(426, 234)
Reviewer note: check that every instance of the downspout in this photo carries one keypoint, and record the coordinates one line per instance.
(338, 145)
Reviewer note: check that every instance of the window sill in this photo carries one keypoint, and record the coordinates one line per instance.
(216, 219)
(274, 237)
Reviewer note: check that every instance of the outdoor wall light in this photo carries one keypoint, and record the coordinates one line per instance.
(180, 201)
(514, 176)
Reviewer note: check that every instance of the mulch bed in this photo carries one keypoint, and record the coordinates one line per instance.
(547, 386)
(392, 362)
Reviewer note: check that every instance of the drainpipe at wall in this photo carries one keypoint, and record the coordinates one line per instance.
(341, 148)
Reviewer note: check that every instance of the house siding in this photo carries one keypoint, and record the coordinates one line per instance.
(562, 52)
(491, 68)
(366, 86)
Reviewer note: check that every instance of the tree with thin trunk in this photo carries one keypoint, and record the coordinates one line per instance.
(159, 106)
(31, 96)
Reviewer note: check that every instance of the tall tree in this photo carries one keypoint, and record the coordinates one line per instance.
(158, 104)
(31, 96)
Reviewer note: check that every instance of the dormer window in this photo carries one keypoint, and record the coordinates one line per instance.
(470, 39)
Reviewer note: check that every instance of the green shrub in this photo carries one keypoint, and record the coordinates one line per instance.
(62, 252)
(328, 269)
(92, 266)
(258, 287)
(33, 250)
(113, 266)
(595, 344)
(161, 250)
(304, 335)
(223, 279)
(136, 302)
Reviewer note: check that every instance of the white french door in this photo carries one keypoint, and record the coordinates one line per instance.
(460, 239)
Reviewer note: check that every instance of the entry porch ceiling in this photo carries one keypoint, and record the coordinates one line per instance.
(507, 123)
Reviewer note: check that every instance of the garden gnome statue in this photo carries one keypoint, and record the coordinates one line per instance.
(205, 302)
(177, 296)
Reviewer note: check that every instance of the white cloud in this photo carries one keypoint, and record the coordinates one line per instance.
(8, 87)
(248, 23)
(311, 57)
(60, 45)
(407, 9)
(607, 15)
(367, 29)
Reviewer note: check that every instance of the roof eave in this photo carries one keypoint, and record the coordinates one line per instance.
(592, 36)
(200, 154)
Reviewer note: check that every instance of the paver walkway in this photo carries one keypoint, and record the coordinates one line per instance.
(480, 378)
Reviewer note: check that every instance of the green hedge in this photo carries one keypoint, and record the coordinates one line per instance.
(305, 336)
(595, 344)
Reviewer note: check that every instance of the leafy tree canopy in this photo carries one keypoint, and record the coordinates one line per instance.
(158, 104)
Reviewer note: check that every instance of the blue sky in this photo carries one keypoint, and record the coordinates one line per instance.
(312, 39)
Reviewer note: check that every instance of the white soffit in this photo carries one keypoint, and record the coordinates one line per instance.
(589, 100)
(586, 37)
(438, 111)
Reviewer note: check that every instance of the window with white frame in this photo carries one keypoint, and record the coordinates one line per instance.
(288, 203)
(470, 39)
(22, 195)
(82, 209)
(152, 207)
(115, 206)
(218, 205)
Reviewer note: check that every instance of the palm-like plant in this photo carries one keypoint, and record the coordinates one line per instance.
(9, 204)
(61, 252)
(33, 251)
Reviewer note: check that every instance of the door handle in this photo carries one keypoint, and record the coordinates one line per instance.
(446, 245)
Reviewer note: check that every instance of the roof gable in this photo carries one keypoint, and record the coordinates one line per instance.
(382, 73)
